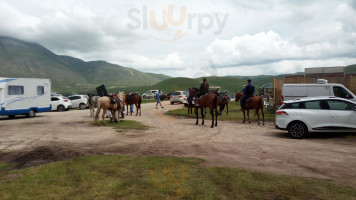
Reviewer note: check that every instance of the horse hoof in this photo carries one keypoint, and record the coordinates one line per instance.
(211, 126)
(249, 122)
(216, 125)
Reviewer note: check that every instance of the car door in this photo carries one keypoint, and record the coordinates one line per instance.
(75, 101)
(343, 114)
(316, 114)
(54, 103)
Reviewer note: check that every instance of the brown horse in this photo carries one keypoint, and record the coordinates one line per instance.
(106, 104)
(133, 99)
(255, 102)
(209, 100)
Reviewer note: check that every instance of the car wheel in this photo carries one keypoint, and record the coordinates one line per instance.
(82, 106)
(11, 116)
(144, 97)
(297, 130)
(31, 114)
(61, 108)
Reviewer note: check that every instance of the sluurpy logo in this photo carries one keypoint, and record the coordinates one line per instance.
(147, 19)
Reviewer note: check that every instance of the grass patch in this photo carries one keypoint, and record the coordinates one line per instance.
(128, 177)
(235, 114)
(124, 124)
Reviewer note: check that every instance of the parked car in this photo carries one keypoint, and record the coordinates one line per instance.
(179, 97)
(60, 103)
(317, 114)
(149, 94)
(79, 101)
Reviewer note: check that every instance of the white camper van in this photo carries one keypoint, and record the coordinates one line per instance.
(321, 88)
(24, 96)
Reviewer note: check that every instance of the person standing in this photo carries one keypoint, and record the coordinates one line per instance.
(158, 96)
(248, 91)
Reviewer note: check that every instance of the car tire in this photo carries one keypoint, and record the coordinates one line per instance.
(11, 116)
(144, 97)
(82, 106)
(61, 108)
(297, 130)
(31, 114)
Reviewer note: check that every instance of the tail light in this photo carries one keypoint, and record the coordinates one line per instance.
(281, 112)
(65, 100)
(181, 96)
(282, 99)
(170, 96)
(184, 98)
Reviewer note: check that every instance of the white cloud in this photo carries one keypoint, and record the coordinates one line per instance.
(257, 36)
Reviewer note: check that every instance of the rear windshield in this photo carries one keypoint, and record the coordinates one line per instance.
(176, 93)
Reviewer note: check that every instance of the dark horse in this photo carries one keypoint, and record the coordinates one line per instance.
(222, 102)
(133, 99)
(209, 100)
(255, 102)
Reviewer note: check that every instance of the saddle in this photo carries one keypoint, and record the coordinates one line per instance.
(248, 99)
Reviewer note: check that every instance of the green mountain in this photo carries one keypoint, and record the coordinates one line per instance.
(20, 59)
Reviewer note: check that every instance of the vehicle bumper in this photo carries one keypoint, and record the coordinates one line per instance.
(277, 127)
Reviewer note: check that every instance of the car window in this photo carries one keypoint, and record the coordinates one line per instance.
(341, 105)
(340, 92)
(54, 99)
(176, 93)
(185, 93)
(292, 106)
(322, 104)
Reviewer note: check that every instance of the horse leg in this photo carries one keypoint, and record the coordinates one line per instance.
(196, 113)
(263, 116)
(227, 109)
(103, 116)
(136, 109)
(248, 116)
(216, 118)
(127, 109)
(202, 116)
(243, 111)
(258, 116)
(212, 117)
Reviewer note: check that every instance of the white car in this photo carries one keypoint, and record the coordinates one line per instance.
(150, 94)
(316, 114)
(60, 103)
(79, 101)
(179, 97)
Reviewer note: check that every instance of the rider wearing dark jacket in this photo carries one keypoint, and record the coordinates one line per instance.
(204, 88)
(248, 91)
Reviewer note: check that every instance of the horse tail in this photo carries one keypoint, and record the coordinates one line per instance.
(139, 102)
(97, 110)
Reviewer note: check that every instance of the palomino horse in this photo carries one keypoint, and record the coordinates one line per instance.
(255, 102)
(209, 100)
(133, 99)
(92, 103)
(106, 104)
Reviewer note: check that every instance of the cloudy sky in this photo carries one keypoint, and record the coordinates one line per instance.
(191, 38)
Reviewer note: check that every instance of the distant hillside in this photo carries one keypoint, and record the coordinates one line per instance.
(351, 69)
(68, 74)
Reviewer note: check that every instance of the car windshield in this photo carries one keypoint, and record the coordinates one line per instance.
(176, 93)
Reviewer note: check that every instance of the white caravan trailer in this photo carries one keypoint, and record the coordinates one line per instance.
(321, 88)
(24, 96)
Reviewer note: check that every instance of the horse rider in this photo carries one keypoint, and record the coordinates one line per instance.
(248, 91)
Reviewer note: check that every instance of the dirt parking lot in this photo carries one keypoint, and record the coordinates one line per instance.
(63, 135)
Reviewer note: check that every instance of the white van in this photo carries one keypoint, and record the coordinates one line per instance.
(24, 96)
(321, 88)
